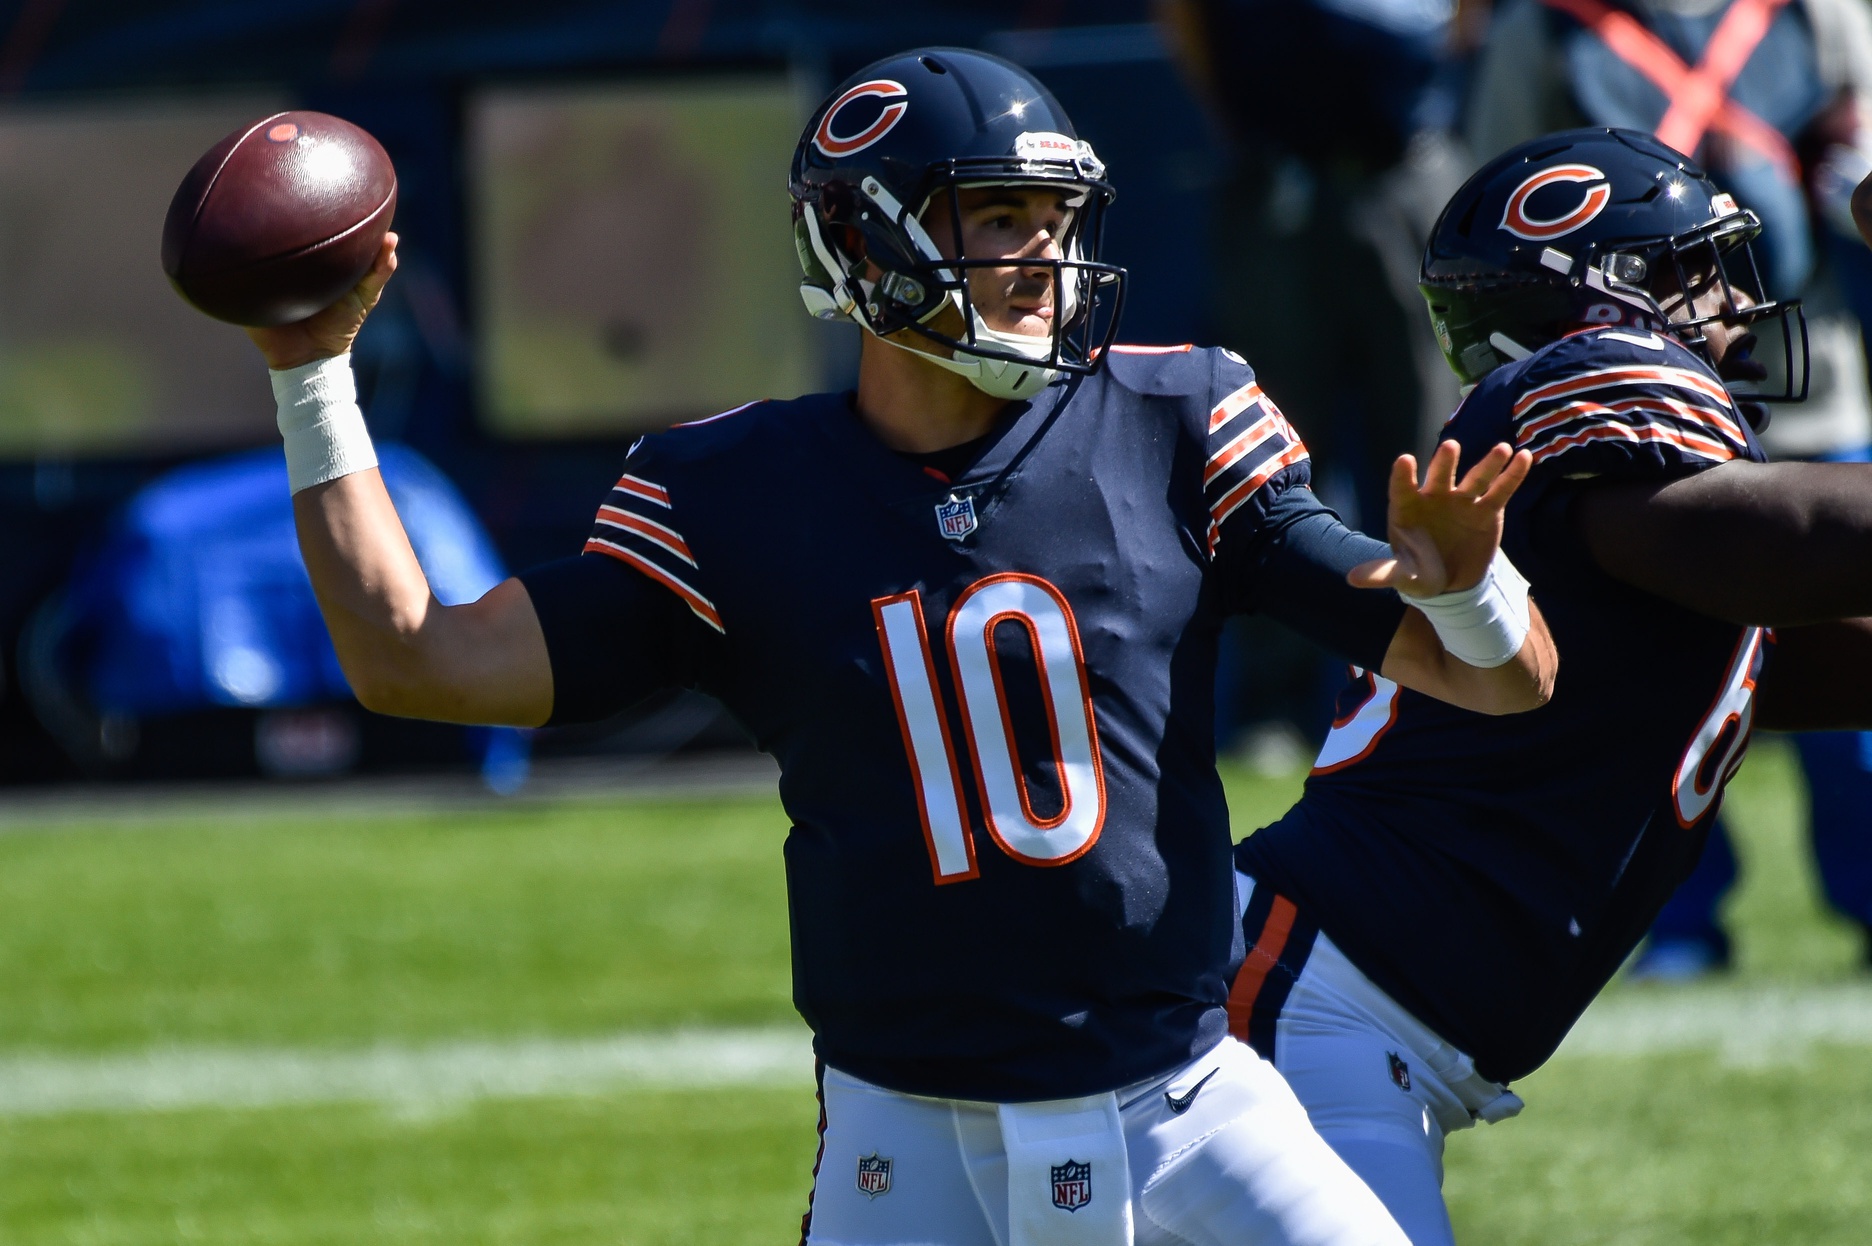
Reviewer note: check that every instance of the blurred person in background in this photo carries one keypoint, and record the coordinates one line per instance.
(1341, 116)
(1769, 95)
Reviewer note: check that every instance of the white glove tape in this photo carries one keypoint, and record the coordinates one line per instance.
(1484, 625)
(321, 421)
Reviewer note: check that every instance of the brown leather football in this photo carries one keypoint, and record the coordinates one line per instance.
(279, 219)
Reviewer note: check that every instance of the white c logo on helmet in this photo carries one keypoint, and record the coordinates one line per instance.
(893, 93)
(1541, 229)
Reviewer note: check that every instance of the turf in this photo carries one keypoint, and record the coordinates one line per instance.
(586, 920)
(564, 921)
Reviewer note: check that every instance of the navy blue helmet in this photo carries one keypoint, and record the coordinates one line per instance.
(1597, 227)
(874, 158)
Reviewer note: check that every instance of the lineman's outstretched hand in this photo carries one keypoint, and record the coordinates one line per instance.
(1445, 532)
(331, 331)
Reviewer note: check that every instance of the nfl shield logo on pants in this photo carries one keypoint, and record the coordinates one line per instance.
(955, 518)
(1072, 1185)
(873, 1175)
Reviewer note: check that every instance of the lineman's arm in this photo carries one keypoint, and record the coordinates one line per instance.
(404, 652)
(1818, 678)
(1767, 544)
(1311, 572)
(1444, 536)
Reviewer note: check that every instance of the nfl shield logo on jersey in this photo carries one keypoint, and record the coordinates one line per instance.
(1400, 1071)
(873, 1175)
(955, 518)
(1072, 1185)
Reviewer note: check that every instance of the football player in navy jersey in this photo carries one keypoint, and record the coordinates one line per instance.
(1451, 892)
(973, 611)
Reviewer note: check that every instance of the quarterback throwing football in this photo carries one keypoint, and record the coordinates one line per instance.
(981, 646)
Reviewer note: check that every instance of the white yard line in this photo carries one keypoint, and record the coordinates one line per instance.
(170, 1079)
(1757, 1024)
(1751, 1025)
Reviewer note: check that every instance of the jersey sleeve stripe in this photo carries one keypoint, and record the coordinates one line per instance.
(703, 608)
(1702, 419)
(1267, 428)
(649, 529)
(638, 487)
(1700, 447)
(1583, 382)
(1234, 405)
(1230, 502)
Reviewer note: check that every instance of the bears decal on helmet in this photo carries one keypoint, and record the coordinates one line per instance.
(828, 140)
(1517, 221)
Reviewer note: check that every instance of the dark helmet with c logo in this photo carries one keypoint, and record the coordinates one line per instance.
(882, 148)
(1593, 227)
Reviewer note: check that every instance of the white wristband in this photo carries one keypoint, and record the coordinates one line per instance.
(1485, 625)
(322, 423)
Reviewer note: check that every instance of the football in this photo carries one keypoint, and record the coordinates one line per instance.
(279, 219)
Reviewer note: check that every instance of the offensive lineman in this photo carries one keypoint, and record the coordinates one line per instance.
(1448, 896)
(972, 609)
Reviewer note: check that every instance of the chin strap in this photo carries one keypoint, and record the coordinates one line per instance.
(998, 378)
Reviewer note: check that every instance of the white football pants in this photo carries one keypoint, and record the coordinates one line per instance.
(1238, 1166)
(1378, 1084)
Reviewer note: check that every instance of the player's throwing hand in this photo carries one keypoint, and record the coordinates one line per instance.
(330, 332)
(1444, 532)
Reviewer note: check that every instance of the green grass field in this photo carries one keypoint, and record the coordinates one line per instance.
(335, 937)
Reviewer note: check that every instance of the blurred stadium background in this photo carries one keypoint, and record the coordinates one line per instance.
(275, 970)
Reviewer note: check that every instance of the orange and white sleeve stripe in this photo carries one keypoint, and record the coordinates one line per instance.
(1249, 443)
(1687, 412)
(636, 526)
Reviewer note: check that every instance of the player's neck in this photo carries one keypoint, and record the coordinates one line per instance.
(916, 407)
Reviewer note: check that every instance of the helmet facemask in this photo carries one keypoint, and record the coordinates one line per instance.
(904, 288)
(1672, 279)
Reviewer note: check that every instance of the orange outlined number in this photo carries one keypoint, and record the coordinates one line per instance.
(1716, 750)
(1040, 609)
(1360, 725)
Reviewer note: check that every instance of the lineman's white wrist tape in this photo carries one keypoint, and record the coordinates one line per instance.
(322, 423)
(1484, 625)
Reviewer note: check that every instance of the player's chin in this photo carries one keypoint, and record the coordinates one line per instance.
(1026, 323)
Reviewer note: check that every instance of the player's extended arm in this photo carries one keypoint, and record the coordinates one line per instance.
(404, 652)
(1769, 544)
(1818, 678)
(1444, 537)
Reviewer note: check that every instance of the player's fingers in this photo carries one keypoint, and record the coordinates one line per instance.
(1403, 478)
(1483, 472)
(1440, 473)
(1512, 474)
(371, 287)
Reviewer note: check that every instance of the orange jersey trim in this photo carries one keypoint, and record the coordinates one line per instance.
(702, 607)
(1262, 957)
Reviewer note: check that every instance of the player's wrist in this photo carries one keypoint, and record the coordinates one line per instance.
(321, 422)
(1486, 624)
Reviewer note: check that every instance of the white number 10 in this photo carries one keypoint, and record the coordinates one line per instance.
(1031, 603)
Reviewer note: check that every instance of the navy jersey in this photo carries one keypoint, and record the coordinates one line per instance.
(991, 700)
(1491, 874)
